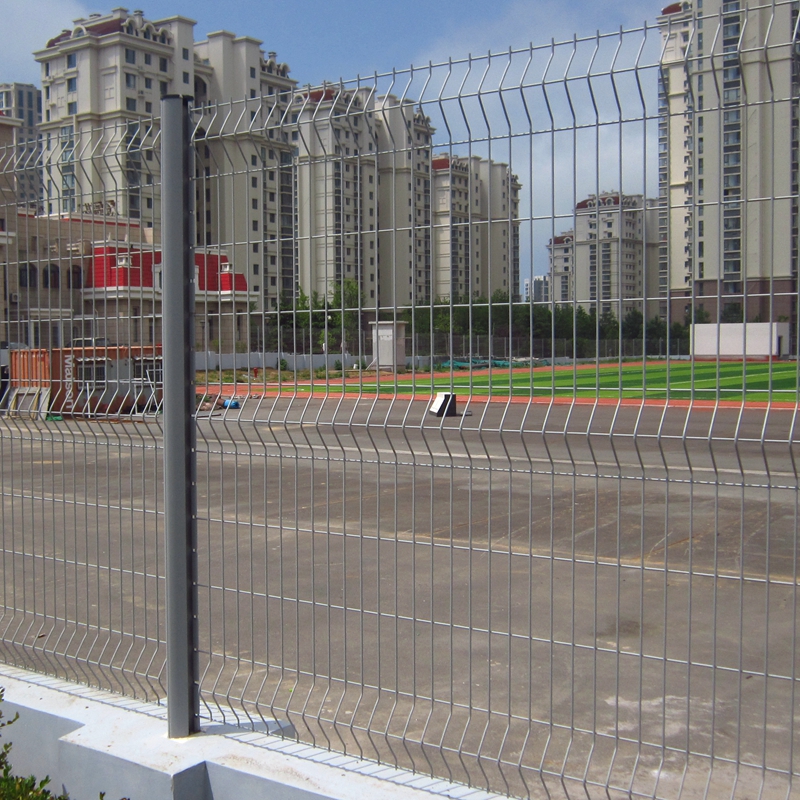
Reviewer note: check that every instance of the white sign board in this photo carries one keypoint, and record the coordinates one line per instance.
(740, 339)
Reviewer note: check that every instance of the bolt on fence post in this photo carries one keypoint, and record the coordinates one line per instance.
(180, 476)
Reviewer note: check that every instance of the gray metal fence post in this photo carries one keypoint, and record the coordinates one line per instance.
(180, 481)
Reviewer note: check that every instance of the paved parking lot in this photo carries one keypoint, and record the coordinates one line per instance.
(577, 589)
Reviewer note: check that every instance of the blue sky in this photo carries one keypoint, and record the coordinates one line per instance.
(326, 41)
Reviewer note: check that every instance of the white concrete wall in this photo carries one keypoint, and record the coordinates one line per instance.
(731, 339)
(89, 741)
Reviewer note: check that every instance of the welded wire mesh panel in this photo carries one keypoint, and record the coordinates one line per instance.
(496, 406)
(79, 396)
(580, 576)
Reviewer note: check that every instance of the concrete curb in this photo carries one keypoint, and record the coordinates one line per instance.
(90, 741)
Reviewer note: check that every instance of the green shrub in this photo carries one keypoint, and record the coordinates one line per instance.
(14, 787)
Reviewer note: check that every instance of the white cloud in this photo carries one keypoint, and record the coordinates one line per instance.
(27, 26)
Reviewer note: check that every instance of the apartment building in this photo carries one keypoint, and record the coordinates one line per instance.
(246, 183)
(298, 189)
(609, 260)
(561, 255)
(541, 289)
(23, 102)
(70, 278)
(103, 81)
(475, 228)
(336, 176)
(536, 289)
(404, 137)
(728, 160)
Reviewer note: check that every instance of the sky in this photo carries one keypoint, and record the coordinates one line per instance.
(327, 41)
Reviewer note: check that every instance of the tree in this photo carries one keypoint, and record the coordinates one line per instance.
(632, 324)
(609, 327)
(585, 324)
(677, 331)
(563, 319)
(656, 329)
(343, 314)
(542, 322)
(701, 316)
(732, 312)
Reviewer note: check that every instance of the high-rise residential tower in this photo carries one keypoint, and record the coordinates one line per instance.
(728, 161)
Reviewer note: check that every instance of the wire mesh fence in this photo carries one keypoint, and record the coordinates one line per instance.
(579, 578)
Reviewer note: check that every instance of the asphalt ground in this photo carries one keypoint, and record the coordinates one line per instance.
(504, 597)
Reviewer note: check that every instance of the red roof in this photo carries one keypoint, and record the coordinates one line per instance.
(605, 200)
(673, 9)
(320, 95)
(441, 162)
(98, 29)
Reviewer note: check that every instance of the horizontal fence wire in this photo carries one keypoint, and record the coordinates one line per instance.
(496, 370)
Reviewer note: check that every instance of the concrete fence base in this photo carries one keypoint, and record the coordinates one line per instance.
(89, 741)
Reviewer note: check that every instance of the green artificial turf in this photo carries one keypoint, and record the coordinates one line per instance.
(686, 381)
(656, 380)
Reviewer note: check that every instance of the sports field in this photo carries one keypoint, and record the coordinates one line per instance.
(728, 381)
(659, 380)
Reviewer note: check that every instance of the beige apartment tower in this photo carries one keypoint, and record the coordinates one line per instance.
(609, 260)
(728, 161)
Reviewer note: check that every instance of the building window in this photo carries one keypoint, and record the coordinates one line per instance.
(75, 277)
(162, 64)
(130, 56)
(148, 83)
(164, 87)
(72, 60)
(72, 108)
(185, 53)
(28, 276)
(148, 58)
(252, 72)
(186, 77)
(130, 103)
(50, 277)
(148, 107)
(72, 85)
(130, 81)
